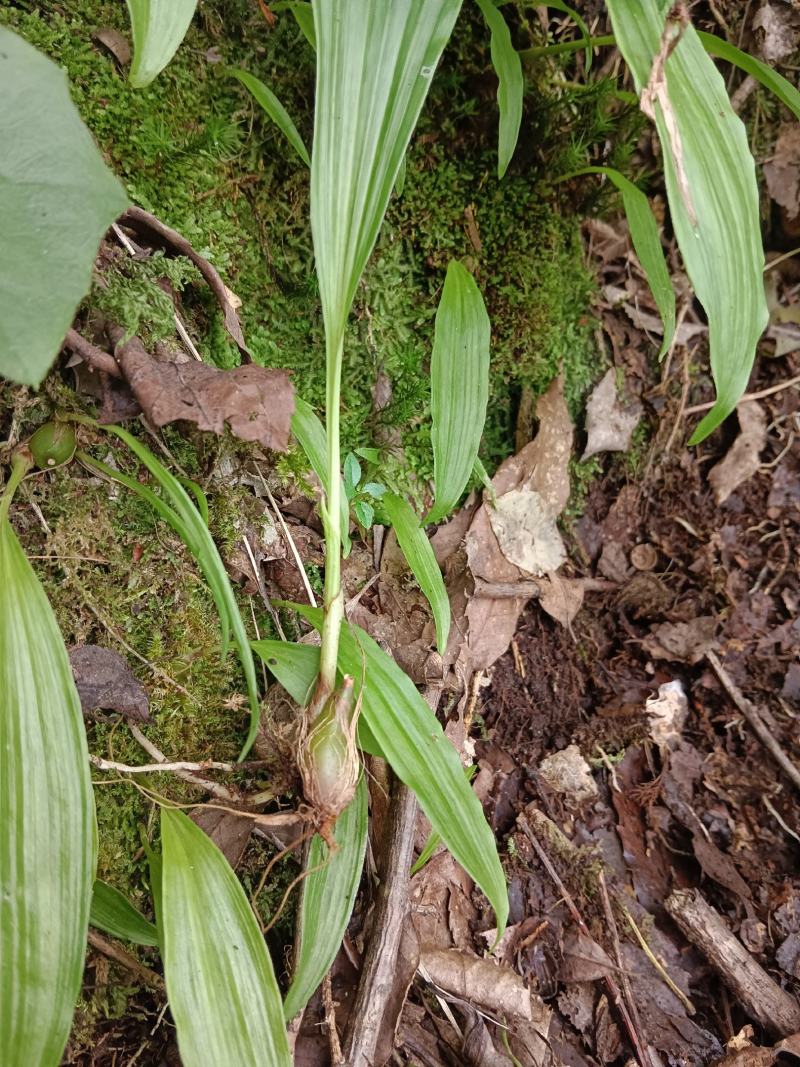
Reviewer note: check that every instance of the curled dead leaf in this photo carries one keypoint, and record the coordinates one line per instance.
(744, 456)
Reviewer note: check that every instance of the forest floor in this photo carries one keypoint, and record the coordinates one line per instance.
(628, 717)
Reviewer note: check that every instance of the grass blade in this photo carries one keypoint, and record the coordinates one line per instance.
(328, 898)
(511, 85)
(185, 519)
(769, 78)
(303, 16)
(113, 912)
(418, 552)
(415, 745)
(712, 191)
(264, 96)
(220, 982)
(158, 28)
(47, 822)
(459, 386)
(309, 431)
(647, 245)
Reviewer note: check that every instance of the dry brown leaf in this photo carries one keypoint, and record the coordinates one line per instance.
(776, 25)
(744, 456)
(561, 598)
(105, 682)
(782, 171)
(478, 981)
(609, 425)
(116, 43)
(584, 960)
(682, 642)
(255, 403)
(526, 532)
(229, 832)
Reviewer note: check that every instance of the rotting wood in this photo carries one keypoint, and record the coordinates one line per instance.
(762, 997)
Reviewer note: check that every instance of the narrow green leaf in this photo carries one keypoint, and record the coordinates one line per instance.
(375, 62)
(309, 431)
(113, 912)
(712, 192)
(511, 85)
(769, 78)
(47, 822)
(158, 28)
(264, 96)
(328, 898)
(296, 667)
(57, 199)
(459, 386)
(434, 839)
(586, 36)
(647, 244)
(419, 554)
(182, 515)
(220, 982)
(420, 754)
(303, 15)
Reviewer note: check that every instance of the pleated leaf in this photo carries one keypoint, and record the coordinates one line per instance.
(647, 244)
(158, 28)
(328, 898)
(414, 743)
(459, 386)
(419, 555)
(511, 85)
(265, 97)
(47, 823)
(220, 982)
(310, 433)
(769, 78)
(57, 199)
(375, 62)
(712, 192)
(112, 912)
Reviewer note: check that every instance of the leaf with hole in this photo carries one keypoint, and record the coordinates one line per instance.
(220, 981)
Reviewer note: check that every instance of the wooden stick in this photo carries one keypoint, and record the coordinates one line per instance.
(119, 955)
(91, 354)
(762, 997)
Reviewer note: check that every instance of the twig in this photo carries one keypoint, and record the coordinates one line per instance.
(96, 358)
(679, 993)
(289, 540)
(697, 408)
(273, 614)
(179, 765)
(214, 788)
(119, 955)
(625, 981)
(337, 1059)
(610, 984)
(760, 728)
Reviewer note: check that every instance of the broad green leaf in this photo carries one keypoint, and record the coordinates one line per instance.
(511, 85)
(647, 244)
(303, 15)
(769, 78)
(328, 897)
(158, 28)
(420, 754)
(459, 386)
(375, 62)
(364, 512)
(274, 108)
(113, 912)
(712, 192)
(419, 554)
(57, 199)
(296, 667)
(180, 512)
(47, 823)
(220, 982)
(309, 431)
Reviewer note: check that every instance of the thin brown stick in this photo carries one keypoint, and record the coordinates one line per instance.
(676, 989)
(771, 391)
(96, 358)
(119, 955)
(214, 788)
(610, 984)
(337, 1059)
(759, 727)
(627, 990)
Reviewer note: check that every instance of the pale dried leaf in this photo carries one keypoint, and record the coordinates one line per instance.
(776, 26)
(782, 171)
(744, 456)
(478, 981)
(667, 713)
(568, 772)
(527, 533)
(609, 425)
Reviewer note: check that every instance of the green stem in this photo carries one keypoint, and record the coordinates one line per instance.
(21, 463)
(567, 46)
(333, 600)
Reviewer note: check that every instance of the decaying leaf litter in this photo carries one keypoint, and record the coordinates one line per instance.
(595, 673)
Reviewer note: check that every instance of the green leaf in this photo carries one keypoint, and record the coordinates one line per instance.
(421, 755)
(57, 199)
(352, 474)
(511, 87)
(113, 912)
(371, 455)
(328, 897)
(158, 28)
(647, 244)
(364, 512)
(419, 554)
(309, 431)
(220, 982)
(400, 180)
(179, 511)
(769, 78)
(303, 15)
(374, 489)
(375, 62)
(275, 109)
(459, 386)
(434, 839)
(47, 830)
(712, 192)
(586, 36)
